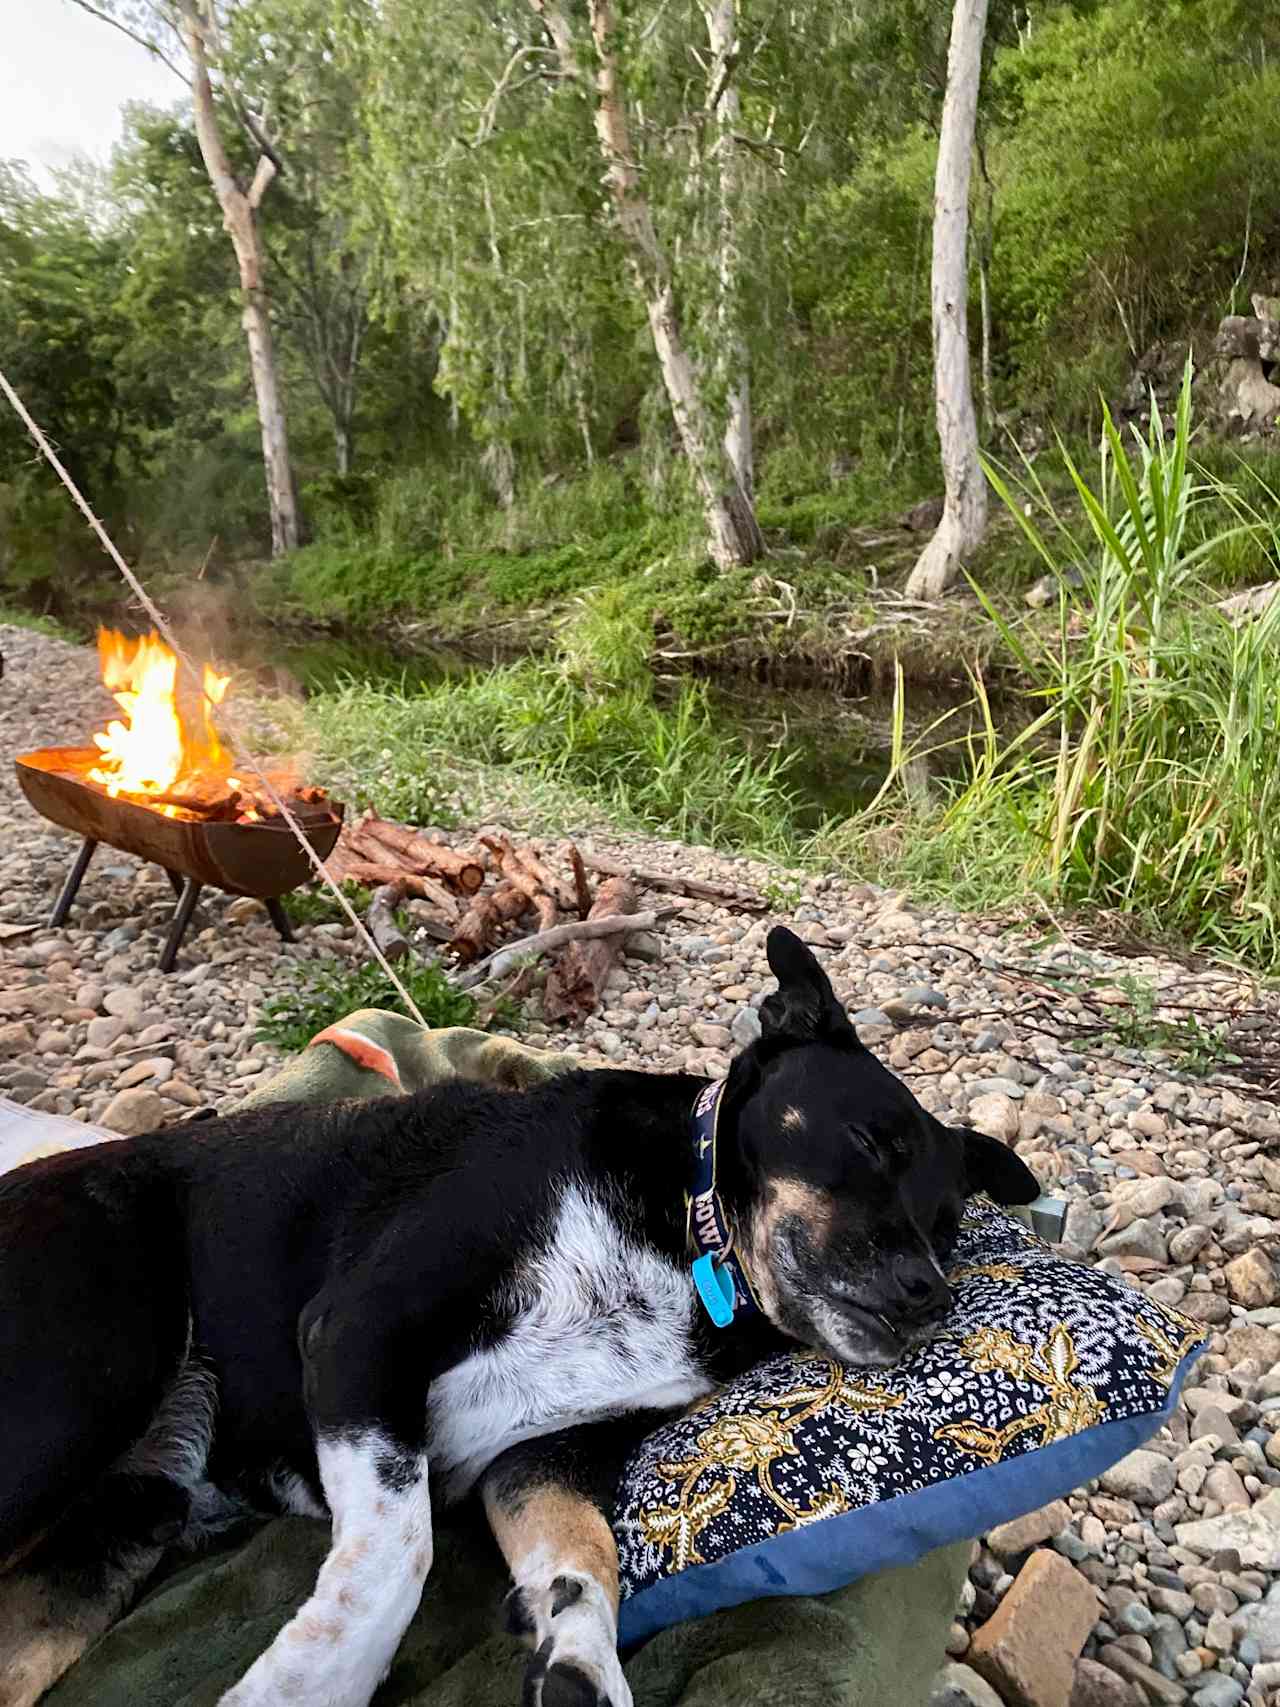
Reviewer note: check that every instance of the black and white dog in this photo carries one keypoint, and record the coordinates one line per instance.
(357, 1311)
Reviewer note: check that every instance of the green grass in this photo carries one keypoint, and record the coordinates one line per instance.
(17, 618)
(1145, 783)
(665, 768)
(325, 991)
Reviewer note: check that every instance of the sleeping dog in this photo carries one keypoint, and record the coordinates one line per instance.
(358, 1312)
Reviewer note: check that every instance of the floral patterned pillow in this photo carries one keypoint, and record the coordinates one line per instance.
(804, 1474)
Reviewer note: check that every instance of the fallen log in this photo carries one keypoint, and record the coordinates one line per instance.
(696, 888)
(576, 980)
(424, 888)
(463, 870)
(528, 875)
(381, 920)
(484, 919)
(502, 960)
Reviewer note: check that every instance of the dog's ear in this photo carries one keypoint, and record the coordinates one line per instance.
(804, 1006)
(992, 1167)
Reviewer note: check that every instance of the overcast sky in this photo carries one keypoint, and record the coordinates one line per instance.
(63, 79)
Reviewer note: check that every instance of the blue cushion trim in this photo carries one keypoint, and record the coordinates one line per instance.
(837, 1550)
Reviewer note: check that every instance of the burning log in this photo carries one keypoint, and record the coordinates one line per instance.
(484, 920)
(211, 799)
(464, 871)
(576, 980)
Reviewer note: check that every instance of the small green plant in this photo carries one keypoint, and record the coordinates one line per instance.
(1191, 1045)
(316, 906)
(325, 991)
(784, 894)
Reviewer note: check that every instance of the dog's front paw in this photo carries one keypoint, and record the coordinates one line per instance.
(569, 1624)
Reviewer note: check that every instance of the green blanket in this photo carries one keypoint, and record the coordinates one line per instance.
(877, 1642)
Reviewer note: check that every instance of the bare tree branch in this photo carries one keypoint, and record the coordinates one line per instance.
(117, 24)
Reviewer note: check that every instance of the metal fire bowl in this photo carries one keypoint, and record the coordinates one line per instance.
(262, 860)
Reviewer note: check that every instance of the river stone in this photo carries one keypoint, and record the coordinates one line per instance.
(1254, 1534)
(138, 1109)
(996, 1115)
(1145, 1196)
(1023, 1533)
(128, 1004)
(1141, 1238)
(1251, 1279)
(1027, 1649)
(960, 1686)
(1094, 1685)
(1147, 1477)
(745, 1027)
(102, 1033)
(1261, 1622)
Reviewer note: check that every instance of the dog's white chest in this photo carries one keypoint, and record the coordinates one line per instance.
(601, 1326)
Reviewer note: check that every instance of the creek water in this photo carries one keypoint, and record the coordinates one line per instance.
(839, 748)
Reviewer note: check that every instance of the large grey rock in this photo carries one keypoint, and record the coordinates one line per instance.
(1147, 1477)
(1141, 1238)
(1261, 1621)
(1254, 1534)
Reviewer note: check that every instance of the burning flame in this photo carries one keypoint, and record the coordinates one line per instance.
(154, 747)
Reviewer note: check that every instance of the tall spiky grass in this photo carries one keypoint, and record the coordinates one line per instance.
(1148, 780)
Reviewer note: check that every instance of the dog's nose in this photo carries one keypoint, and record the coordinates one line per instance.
(920, 1290)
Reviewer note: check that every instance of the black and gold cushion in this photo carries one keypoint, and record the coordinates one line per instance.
(804, 1474)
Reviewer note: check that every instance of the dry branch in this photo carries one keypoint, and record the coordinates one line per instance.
(483, 921)
(578, 977)
(696, 888)
(424, 888)
(529, 875)
(581, 888)
(497, 964)
(464, 871)
(381, 920)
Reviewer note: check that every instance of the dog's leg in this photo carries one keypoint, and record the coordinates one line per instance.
(359, 1365)
(548, 1502)
(76, 1582)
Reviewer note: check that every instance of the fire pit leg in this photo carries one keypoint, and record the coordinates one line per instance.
(75, 877)
(279, 918)
(181, 919)
(175, 882)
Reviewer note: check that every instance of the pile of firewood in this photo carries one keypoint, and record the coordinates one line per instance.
(479, 903)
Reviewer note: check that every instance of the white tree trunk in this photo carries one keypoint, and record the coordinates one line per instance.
(722, 38)
(733, 536)
(239, 214)
(964, 517)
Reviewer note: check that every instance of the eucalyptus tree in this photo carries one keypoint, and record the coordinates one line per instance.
(190, 35)
(964, 515)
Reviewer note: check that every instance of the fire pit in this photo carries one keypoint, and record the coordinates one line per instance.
(160, 786)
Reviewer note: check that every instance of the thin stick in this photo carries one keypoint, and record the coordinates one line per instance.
(574, 930)
(237, 741)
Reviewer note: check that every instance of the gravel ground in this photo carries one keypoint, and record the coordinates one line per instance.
(1172, 1181)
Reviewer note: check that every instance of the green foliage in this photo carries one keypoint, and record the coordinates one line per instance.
(665, 767)
(316, 905)
(1146, 783)
(321, 992)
